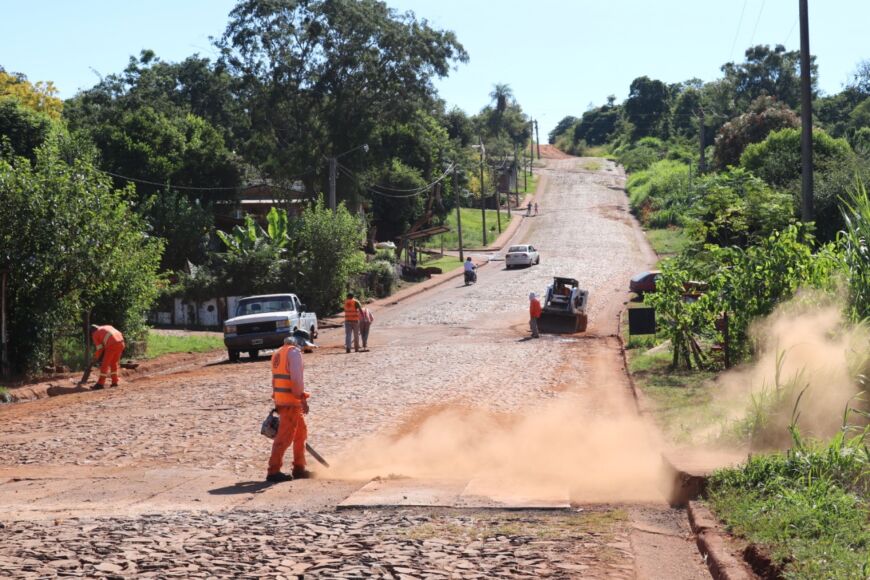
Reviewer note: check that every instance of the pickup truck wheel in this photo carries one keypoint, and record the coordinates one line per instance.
(253, 354)
(233, 355)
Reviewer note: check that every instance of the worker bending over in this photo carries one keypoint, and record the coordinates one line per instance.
(109, 344)
(291, 403)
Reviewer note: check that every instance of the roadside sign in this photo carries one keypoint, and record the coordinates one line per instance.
(641, 321)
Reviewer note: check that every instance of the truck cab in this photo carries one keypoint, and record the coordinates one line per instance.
(263, 322)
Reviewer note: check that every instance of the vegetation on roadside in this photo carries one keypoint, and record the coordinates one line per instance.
(160, 343)
(472, 229)
(807, 507)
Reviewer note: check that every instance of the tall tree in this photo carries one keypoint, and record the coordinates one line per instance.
(318, 77)
(647, 108)
(773, 72)
(501, 95)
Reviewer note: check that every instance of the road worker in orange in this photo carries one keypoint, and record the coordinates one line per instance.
(352, 311)
(109, 344)
(291, 403)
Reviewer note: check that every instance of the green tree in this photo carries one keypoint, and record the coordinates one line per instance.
(320, 77)
(81, 249)
(326, 246)
(647, 108)
(563, 125)
(184, 224)
(22, 128)
(771, 72)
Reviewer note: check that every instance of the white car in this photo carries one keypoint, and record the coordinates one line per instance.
(521, 256)
(263, 322)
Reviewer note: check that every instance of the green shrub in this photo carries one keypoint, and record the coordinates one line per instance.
(641, 155)
(386, 256)
(664, 186)
(381, 278)
(85, 249)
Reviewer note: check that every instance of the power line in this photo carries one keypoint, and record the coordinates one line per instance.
(737, 33)
(402, 194)
(793, 26)
(757, 20)
(202, 188)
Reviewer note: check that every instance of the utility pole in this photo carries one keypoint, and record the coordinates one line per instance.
(4, 340)
(806, 118)
(525, 174)
(702, 163)
(498, 200)
(538, 138)
(458, 213)
(516, 176)
(482, 190)
(333, 164)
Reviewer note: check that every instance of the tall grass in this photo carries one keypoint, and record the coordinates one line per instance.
(660, 195)
(855, 242)
(807, 506)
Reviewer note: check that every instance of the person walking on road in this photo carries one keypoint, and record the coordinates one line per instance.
(365, 324)
(352, 308)
(534, 314)
(291, 404)
(536, 208)
(529, 209)
(109, 343)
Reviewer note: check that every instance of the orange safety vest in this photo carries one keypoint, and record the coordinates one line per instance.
(351, 312)
(105, 336)
(282, 382)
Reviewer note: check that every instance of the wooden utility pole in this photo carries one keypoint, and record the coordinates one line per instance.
(806, 118)
(516, 176)
(498, 200)
(4, 340)
(458, 213)
(482, 190)
(333, 164)
(702, 163)
(538, 139)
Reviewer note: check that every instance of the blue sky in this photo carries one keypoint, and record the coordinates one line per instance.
(559, 56)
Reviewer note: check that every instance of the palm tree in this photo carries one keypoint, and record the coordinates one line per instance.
(501, 92)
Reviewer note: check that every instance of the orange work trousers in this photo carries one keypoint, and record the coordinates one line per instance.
(291, 430)
(111, 357)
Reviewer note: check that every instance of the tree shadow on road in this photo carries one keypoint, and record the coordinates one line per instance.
(242, 487)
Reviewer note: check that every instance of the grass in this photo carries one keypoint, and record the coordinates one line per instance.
(4, 395)
(592, 165)
(160, 344)
(598, 151)
(446, 263)
(807, 507)
(667, 241)
(529, 182)
(683, 400)
(472, 229)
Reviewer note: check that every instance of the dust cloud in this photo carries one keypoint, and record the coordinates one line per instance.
(548, 448)
(803, 348)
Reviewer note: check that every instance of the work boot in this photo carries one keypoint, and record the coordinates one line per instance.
(114, 385)
(279, 477)
(97, 387)
(347, 351)
(302, 473)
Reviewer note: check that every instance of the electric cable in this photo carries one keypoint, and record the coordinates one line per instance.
(201, 188)
(737, 33)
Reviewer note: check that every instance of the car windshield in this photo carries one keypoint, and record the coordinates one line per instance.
(518, 249)
(263, 305)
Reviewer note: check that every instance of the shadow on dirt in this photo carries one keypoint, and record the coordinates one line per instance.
(242, 487)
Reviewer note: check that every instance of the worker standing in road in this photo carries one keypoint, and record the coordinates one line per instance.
(109, 344)
(534, 314)
(365, 324)
(291, 403)
(352, 308)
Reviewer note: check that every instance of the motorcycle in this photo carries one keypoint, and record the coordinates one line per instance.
(470, 277)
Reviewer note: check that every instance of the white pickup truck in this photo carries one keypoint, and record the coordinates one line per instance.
(263, 322)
